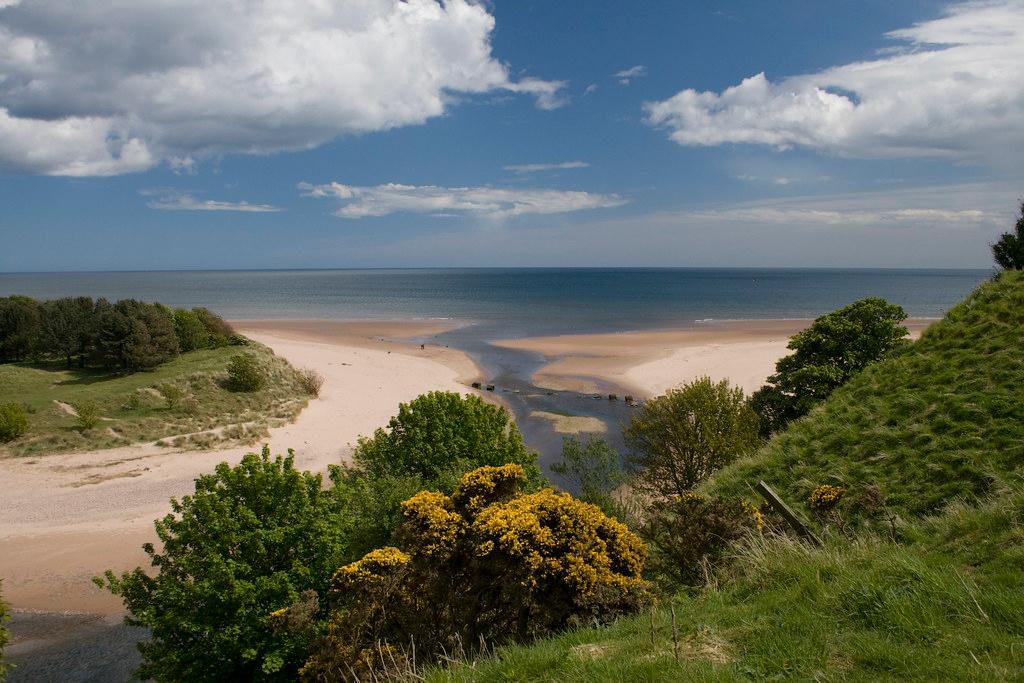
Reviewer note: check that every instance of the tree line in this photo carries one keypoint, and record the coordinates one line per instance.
(128, 335)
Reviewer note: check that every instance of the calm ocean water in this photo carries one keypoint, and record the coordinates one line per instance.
(515, 302)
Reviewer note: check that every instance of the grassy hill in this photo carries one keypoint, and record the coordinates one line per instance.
(940, 430)
(132, 408)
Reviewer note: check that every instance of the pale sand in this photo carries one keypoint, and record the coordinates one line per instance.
(65, 518)
(649, 363)
(571, 424)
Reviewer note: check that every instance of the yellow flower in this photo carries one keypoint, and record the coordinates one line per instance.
(825, 497)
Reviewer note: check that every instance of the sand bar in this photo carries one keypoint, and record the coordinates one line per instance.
(650, 362)
(66, 517)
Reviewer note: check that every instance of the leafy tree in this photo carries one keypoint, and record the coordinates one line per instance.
(1009, 250)
(677, 440)
(245, 373)
(134, 335)
(441, 432)
(190, 330)
(66, 326)
(487, 564)
(20, 327)
(826, 355)
(251, 540)
(594, 470)
(13, 422)
(219, 331)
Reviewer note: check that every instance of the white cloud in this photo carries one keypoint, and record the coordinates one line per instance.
(590, 89)
(488, 202)
(534, 168)
(953, 90)
(173, 201)
(107, 87)
(626, 75)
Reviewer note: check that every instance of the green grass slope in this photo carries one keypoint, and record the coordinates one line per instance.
(945, 419)
(940, 429)
(132, 409)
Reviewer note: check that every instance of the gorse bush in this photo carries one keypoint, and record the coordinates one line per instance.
(487, 564)
(677, 440)
(13, 422)
(251, 540)
(245, 373)
(825, 356)
(688, 535)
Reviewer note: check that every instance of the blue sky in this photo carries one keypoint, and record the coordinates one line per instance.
(184, 134)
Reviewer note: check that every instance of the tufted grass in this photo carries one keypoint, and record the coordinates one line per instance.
(132, 409)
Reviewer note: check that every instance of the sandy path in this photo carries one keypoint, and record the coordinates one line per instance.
(59, 527)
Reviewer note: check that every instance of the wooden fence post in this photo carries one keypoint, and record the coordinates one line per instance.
(780, 506)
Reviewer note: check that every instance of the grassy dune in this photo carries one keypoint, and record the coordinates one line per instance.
(940, 430)
(132, 408)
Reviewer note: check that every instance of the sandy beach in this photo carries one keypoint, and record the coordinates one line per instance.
(65, 518)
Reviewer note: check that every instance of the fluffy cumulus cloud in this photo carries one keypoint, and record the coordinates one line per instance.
(107, 87)
(952, 88)
(488, 202)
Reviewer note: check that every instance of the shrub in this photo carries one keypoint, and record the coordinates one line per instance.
(679, 439)
(825, 356)
(190, 406)
(250, 541)
(594, 471)
(245, 373)
(488, 564)
(13, 422)
(311, 381)
(3, 636)
(88, 415)
(440, 433)
(172, 395)
(190, 330)
(219, 332)
(1009, 250)
(689, 534)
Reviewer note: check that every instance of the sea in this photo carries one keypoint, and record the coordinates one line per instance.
(490, 304)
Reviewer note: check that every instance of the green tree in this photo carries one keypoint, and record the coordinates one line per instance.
(250, 541)
(594, 470)
(1009, 250)
(825, 356)
(65, 326)
(441, 432)
(219, 331)
(190, 330)
(13, 422)
(677, 440)
(20, 327)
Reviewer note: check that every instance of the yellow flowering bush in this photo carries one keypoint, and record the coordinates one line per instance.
(488, 564)
(689, 534)
(825, 497)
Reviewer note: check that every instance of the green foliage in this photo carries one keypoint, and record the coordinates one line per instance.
(190, 330)
(594, 470)
(1009, 250)
(218, 331)
(3, 636)
(825, 356)
(245, 373)
(441, 433)
(87, 415)
(249, 542)
(488, 564)
(172, 395)
(677, 440)
(942, 420)
(66, 327)
(13, 422)
(20, 327)
(688, 535)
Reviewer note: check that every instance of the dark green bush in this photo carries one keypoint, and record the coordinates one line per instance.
(1009, 250)
(13, 422)
(689, 534)
(245, 373)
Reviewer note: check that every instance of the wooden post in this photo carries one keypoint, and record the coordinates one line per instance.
(780, 506)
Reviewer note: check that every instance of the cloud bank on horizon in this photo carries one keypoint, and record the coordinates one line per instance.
(106, 87)
(953, 90)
